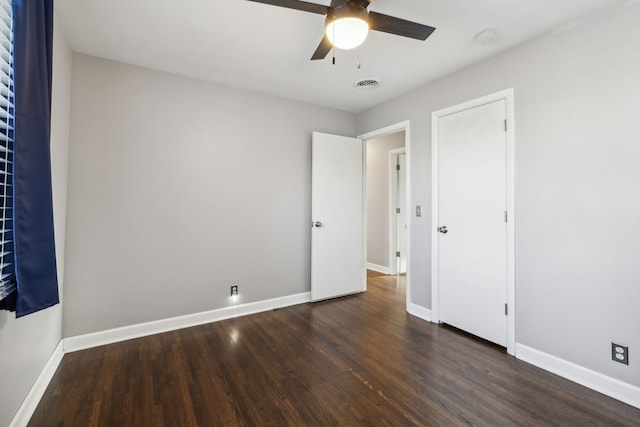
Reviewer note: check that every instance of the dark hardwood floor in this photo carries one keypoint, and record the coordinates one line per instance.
(354, 361)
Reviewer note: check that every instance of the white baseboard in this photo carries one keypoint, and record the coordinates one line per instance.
(611, 387)
(418, 311)
(379, 268)
(30, 403)
(95, 339)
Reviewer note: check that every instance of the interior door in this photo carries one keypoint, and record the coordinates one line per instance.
(401, 214)
(337, 250)
(472, 225)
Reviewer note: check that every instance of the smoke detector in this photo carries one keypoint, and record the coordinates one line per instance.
(486, 37)
(368, 83)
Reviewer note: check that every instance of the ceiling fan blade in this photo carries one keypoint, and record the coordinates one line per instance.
(400, 27)
(324, 47)
(297, 5)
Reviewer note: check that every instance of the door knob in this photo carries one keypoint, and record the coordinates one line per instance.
(443, 229)
(316, 224)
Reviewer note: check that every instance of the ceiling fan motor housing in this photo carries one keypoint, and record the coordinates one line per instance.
(349, 9)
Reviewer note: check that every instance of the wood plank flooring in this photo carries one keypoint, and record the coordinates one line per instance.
(354, 361)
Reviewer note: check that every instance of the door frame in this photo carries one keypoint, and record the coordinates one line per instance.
(398, 127)
(393, 184)
(507, 96)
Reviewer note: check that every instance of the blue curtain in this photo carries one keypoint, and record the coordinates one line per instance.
(37, 282)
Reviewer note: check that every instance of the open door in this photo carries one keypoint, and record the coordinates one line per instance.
(398, 215)
(337, 252)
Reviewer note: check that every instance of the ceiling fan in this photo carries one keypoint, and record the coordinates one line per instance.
(348, 22)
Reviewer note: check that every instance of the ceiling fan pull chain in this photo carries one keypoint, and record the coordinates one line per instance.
(358, 61)
(333, 48)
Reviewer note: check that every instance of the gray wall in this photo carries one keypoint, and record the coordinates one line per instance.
(577, 100)
(26, 344)
(179, 189)
(378, 196)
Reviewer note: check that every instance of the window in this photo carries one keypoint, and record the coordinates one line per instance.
(7, 114)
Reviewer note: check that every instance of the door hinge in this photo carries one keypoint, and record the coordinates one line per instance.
(505, 216)
(397, 210)
(505, 125)
(398, 254)
(506, 309)
(398, 167)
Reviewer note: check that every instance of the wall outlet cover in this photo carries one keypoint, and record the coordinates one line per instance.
(620, 353)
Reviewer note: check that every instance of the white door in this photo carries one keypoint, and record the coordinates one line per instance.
(337, 253)
(472, 225)
(401, 214)
(397, 212)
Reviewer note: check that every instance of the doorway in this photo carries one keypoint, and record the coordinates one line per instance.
(385, 206)
(385, 241)
(473, 281)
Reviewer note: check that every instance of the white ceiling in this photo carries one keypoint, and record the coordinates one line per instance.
(266, 49)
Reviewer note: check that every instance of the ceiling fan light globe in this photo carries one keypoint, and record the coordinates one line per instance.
(347, 33)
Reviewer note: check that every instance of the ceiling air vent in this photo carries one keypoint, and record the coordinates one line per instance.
(367, 84)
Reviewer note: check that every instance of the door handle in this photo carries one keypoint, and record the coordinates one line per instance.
(316, 224)
(443, 229)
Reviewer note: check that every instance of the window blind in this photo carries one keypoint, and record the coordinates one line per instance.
(7, 114)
